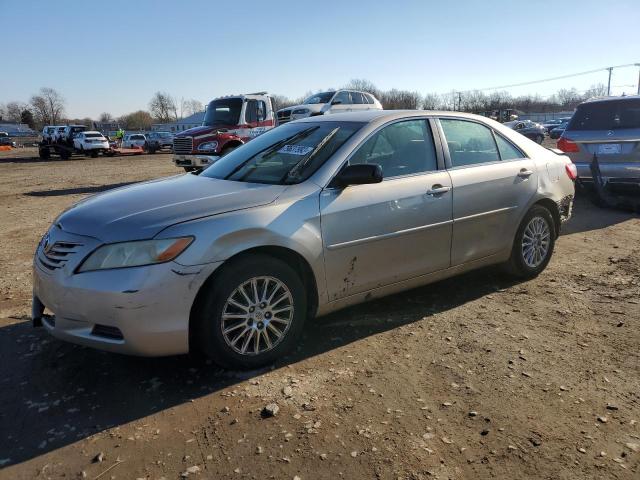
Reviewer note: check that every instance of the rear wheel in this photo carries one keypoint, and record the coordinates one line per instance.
(533, 244)
(252, 314)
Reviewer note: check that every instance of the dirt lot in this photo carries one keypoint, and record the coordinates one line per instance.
(475, 377)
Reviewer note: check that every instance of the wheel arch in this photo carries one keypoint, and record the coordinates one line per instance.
(284, 254)
(554, 210)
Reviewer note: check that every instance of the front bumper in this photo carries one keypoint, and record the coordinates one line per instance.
(199, 161)
(139, 311)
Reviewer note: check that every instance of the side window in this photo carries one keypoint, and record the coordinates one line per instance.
(469, 142)
(357, 97)
(262, 111)
(251, 112)
(342, 98)
(507, 150)
(402, 148)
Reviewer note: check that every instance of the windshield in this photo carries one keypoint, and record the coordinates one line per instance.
(319, 98)
(223, 112)
(606, 115)
(287, 154)
(163, 134)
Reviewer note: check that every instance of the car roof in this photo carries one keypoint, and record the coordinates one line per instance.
(92, 131)
(373, 115)
(611, 99)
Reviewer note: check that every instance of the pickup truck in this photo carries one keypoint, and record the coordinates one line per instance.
(228, 122)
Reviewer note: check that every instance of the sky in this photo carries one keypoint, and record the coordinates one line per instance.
(113, 56)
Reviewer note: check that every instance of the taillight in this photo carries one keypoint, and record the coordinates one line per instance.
(567, 145)
(572, 170)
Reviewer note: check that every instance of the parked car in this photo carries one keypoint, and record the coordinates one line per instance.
(92, 142)
(305, 219)
(551, 124)
(339, 101)
(606, 130)
(134, 140)
(5, 140)
(158, 141)
(58, 133)
(529, 129)
(556, 132)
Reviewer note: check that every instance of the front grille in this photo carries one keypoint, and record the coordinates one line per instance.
(284, 116)
(182, 145)
(55, 256)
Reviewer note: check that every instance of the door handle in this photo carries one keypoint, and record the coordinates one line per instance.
(438, 189)
(525, 173)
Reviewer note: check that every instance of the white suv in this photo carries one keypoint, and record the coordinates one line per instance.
(134, 140)
(330, 102)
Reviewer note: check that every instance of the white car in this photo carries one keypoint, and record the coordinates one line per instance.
(133, 140)
(330, 102)
(90, 141)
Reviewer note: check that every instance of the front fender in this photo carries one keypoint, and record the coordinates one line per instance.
(291, 222)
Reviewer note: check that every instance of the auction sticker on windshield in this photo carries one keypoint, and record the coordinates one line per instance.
(296, 150)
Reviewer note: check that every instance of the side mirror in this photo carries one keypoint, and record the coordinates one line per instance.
(336, 102)
(359, 174)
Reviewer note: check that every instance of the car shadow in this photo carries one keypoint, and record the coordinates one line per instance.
(77, 190)
(586, 216)
(54, 393)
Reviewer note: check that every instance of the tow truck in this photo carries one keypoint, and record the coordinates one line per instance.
(64, 148)
(229, 122)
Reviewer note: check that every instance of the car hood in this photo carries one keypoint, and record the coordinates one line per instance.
(203, 130)
(315, 107)
(141, 211)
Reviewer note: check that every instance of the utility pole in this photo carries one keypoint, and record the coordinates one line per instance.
(638, 65)
(609, 84)
(459, 100)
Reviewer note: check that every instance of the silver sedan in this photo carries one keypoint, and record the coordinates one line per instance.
(308, 218)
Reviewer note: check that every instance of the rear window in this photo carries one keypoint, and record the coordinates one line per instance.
(137, 137)
(93, 135)
(606, 116)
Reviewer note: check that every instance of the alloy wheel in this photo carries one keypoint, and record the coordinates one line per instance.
(257, 315)
(535, 242)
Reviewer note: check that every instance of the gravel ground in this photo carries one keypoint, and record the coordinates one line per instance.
(474, 377)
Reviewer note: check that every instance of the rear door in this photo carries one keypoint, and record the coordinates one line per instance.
(493, 182)
(383, 233)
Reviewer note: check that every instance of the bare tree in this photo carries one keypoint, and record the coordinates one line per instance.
(363, 85)
(432, 101)
(48, 106)
(598, 90)
(13, 111)
(400, 100)
(105, 117)
(140, 120)
(282, 101)
(189, 107)
(163, 107)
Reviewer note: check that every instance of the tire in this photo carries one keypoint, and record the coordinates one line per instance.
(518, 265)
(65, 154)
(94, 153)
(227, 151)
(43, 153)
(539, 139)
(270, 273)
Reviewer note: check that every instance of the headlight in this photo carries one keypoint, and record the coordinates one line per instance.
(135, 254)
(301, 111)
(207, 146)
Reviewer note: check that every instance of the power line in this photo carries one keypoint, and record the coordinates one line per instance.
(550, 79)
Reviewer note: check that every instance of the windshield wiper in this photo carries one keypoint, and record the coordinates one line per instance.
(295, 170)
(273, 148)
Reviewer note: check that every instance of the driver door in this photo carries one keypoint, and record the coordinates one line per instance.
(378, 234)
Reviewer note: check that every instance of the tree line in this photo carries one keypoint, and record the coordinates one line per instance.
(47, 107)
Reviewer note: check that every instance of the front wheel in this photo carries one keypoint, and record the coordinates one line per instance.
(533, 244)
(252, 314)
(539, 139)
